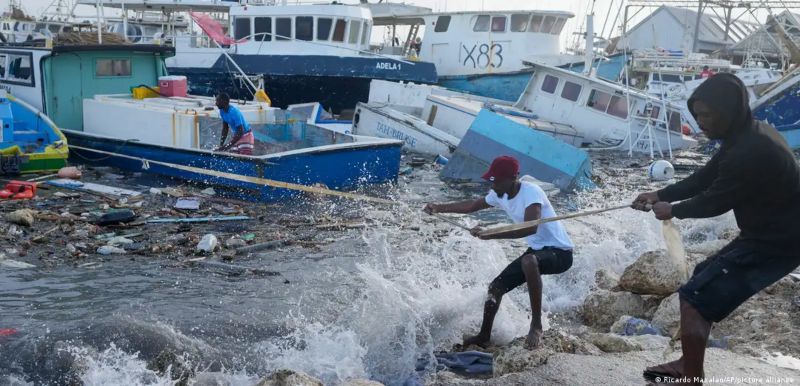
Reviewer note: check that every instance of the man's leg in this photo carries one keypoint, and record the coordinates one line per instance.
(490, 308)
(533, 278)
(694, 337)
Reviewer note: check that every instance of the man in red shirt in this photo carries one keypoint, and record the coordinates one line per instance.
(706, 73)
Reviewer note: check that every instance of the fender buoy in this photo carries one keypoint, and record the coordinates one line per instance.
(661, 170)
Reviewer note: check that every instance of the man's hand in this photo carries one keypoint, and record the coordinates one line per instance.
(663, 210)
(644, 201)
(476, 232)
(431, 208)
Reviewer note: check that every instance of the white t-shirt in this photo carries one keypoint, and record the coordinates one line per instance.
(551, 234)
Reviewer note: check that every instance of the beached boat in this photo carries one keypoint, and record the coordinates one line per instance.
(173, 136)
(303, 53)
(29, 141)
(540, 155)
(780, 106)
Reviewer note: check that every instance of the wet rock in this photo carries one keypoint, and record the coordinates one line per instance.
(22, 217)
(235, 242)
(616, 343)
(289, 378)
(653, 273)
(602, 308)
(109, 250)
(668, 315)
(362, 382)
(168, 361)
(515, 358)
(605, 279)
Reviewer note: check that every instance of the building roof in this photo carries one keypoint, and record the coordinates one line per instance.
(766, 39)
(712, 27)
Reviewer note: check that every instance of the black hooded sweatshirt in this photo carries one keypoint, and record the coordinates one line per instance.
(754, 174)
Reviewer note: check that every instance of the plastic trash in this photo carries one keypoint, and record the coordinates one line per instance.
(188, 203)
(441, 160)
(70, 172)
(119, 240)
(661, 170)
(117, 217)
(110, 250)
(209, 243)
(635, 326)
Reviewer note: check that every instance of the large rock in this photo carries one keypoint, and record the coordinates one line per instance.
(289, 378)
(515, 357)
(654, 273)
(668, 315)
(617, 343)
(602, 308)
(605, 279)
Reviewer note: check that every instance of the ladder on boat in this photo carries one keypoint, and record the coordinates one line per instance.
(413, 30)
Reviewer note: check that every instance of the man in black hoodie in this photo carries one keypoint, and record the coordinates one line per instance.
(754, 174)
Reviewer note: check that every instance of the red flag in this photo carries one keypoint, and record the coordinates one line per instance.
(213, 29)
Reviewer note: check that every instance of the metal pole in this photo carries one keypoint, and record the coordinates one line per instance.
(98, 5)
(588, 55)
(697, 25)
(124, 22)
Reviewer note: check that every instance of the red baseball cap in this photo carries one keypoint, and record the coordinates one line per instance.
(503, 167)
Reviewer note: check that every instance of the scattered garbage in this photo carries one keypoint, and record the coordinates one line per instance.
(18, 190)
(9, 263)
(69, 172)
(7, 331)
(249, 236)
(155, 191)
(24, 217)
(120, 216)
(188, 203)
(631, 326)
(196, 219)
(441, 160)
(406, 170)
(119, 240)
(209, 192)
(110, 250)
(208, 243)
(417, 161)
(235, 242)
(92, 187)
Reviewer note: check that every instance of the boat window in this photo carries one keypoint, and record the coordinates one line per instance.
(442, 23)
(499, 24)
(54, 28)
(547, 24)
(667, 78)
(338, 31)
(365, 33)
(655, 112)
(675, 123)
(241, 28)
(519, 22)
(2, 66)
(304, 28)
(283, 28)
(20, 69)
(598, 100)
(549, 84)
(571, 91)
(263, 29)
(536, 22)
(324, 28)
(355, 26)
(559, 26)
(481, 23)
(112, 67)
(618, 107)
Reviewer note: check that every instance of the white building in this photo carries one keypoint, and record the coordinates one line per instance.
(672, 28)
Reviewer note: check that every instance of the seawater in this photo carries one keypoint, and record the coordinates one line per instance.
(370, 305)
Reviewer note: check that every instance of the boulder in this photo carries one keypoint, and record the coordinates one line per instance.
(617, 343)
(602, 308)
(653, 273)
(668, 315)
(362, 382)
(514, 357)
(289, 378)
(168, 361)
(605, 279)
(22, 217)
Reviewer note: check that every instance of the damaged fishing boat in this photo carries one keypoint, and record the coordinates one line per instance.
(29, 141)
(109, 120)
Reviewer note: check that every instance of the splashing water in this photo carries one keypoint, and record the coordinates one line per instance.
(675, 250)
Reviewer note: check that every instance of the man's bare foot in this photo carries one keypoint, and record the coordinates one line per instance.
(477, 340)
(534, 338)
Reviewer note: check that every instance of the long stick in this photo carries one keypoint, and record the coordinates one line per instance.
(530, 224)
(451, 221)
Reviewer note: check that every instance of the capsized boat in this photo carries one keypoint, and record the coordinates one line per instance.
(29, 141)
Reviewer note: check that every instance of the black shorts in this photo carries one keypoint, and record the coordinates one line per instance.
(550, 260)
(725, 280)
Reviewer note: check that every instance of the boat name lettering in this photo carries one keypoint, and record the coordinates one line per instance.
(388, 66)
(487, 55)
(396, 134)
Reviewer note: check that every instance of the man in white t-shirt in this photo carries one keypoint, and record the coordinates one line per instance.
(549, 252)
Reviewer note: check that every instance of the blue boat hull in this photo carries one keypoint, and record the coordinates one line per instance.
(539, 155)
(338, 83)
(339, 169)
(509, 86)
(783, 112)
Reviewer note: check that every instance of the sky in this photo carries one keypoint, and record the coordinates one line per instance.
(605, 11)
